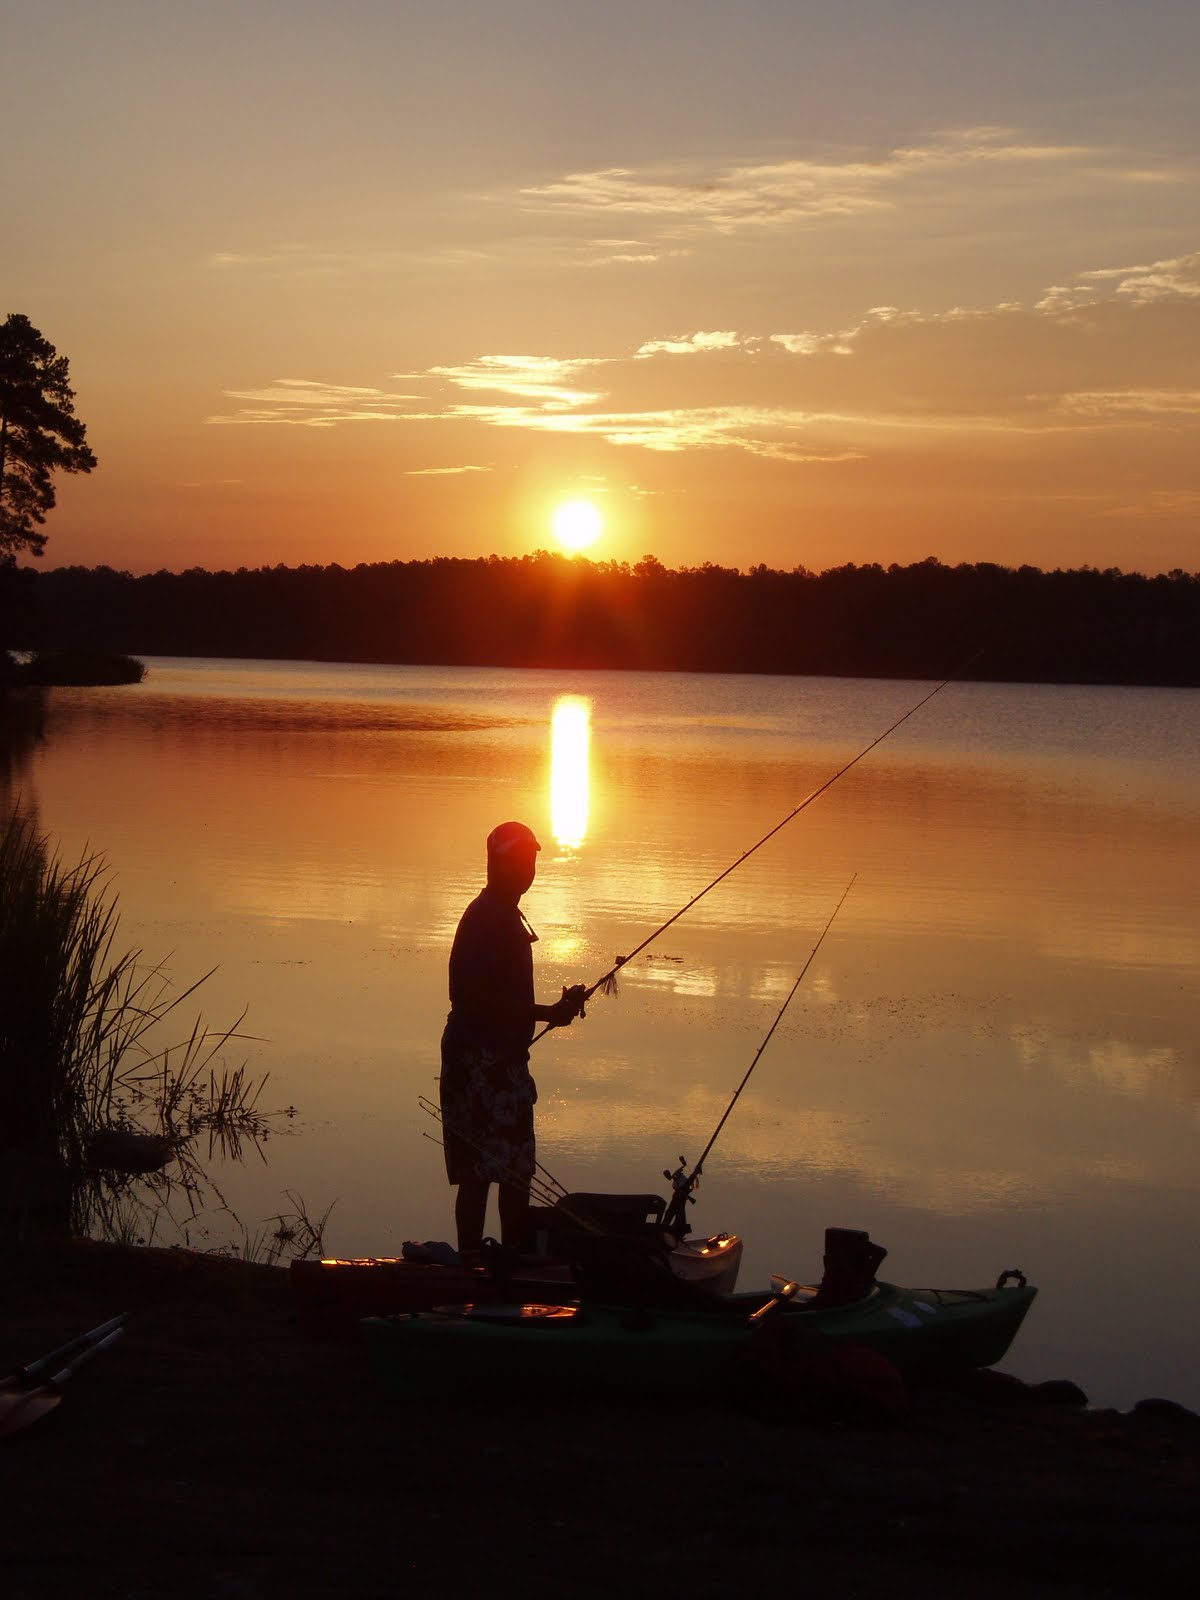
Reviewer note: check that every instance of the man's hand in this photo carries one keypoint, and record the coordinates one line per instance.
(570, 1006)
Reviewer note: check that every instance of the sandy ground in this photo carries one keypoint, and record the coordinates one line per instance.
(218, 1451)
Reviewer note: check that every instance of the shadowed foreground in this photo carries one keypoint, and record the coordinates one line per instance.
(218, 1452)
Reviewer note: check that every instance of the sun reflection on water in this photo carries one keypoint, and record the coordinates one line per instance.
(570, 740)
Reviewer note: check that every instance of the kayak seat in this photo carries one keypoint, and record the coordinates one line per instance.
(554, 1229)
(634, 1272)
(851, 1263)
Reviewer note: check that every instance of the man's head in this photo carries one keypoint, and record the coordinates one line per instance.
(512, 857)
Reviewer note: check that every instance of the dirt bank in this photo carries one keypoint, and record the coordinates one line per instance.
(216, 1451)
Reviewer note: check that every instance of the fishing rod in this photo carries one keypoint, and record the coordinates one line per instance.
(539, 1192)
(608, 983)
(551, 1183)
(684, 1183)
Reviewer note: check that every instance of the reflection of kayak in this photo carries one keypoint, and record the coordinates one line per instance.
(331, 1296)
(472, 1347)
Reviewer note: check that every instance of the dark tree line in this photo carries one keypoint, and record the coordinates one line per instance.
(922, 620)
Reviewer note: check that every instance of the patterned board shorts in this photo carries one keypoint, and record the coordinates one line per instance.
(487, 1111)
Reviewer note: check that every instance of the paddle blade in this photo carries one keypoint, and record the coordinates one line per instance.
(19, 1411)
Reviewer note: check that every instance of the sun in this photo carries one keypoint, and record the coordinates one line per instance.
(577, 524)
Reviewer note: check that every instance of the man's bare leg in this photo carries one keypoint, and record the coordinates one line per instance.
(514, 1214)
(470, 1213)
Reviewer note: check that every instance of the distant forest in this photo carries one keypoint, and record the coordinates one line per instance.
(924, 620)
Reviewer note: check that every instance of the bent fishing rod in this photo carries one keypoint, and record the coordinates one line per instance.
(607, 984)
(685, 1182)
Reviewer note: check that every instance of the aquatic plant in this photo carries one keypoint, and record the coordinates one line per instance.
(289, 1233)
(91, 1092)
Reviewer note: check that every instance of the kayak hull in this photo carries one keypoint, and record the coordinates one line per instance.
(471, 1350)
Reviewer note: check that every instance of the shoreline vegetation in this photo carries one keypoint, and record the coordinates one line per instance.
(61, 669)
(923, 620)
(117, 1107)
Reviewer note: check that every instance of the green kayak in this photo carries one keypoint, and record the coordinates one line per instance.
(467, 1349)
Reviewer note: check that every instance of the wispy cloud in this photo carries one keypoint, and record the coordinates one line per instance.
(305, 403)
(776, 433)
(1159, 505)
(441, 472)
(1160, 280)
(798, 189)
(1149, 403)
(545, 379)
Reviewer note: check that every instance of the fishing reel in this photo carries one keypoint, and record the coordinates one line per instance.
(680, 1179)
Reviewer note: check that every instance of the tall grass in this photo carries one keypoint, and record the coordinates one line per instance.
(85, 1073)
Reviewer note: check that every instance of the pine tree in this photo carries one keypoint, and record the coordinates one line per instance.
(39, 434)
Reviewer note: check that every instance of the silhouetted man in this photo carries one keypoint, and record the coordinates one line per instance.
(487, 1093)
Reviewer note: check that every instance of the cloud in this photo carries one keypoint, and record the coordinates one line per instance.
(799, 344)
(775, 433)
(798, 189)
(1159, 505)
(624, 252)
(541, 378)
(689, 344)
(441, 472)
(1148, 403)
(298, 260)
(1160, 280)
(306, 403)
(1066, 297)
(733, 198)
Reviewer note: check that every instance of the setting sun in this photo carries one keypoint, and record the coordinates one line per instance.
(577, 524)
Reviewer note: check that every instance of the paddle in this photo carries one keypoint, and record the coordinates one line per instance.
(21, 1379)
(20, 1409)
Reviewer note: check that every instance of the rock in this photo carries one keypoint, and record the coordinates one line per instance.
(1061, 1392)
(1156, 1410)
(128, 1151)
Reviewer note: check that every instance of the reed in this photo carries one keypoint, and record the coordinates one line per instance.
(86, 1074)
(290, 1233)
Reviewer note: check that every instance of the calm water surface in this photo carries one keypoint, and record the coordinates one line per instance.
(992, 1063)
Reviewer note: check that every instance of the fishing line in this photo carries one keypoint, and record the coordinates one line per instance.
(607, 983)
(555, 1191)
(686, 1182)
(540, 1192)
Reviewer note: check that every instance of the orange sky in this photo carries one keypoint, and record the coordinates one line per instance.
(782, 282)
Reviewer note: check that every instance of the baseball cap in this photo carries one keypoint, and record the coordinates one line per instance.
(508, 836)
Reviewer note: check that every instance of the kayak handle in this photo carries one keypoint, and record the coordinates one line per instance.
(785, 1291)
(1013, 1272)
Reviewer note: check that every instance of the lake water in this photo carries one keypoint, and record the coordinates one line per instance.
(992, 1062)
